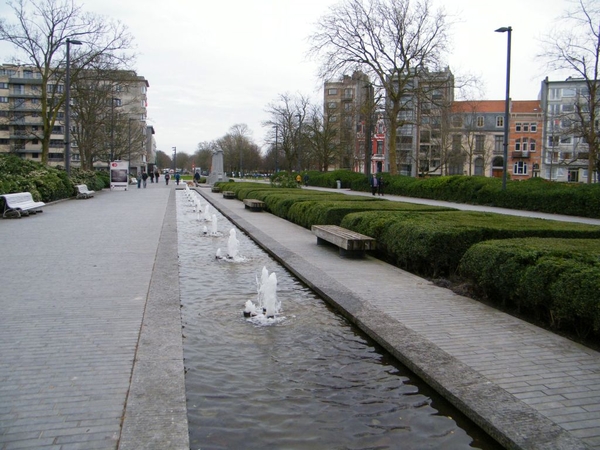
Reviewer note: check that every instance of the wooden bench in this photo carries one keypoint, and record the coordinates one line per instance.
(20, 204)
(228, 194)
(215, 189)
(350, 243)
(84, 192)
(253, 204)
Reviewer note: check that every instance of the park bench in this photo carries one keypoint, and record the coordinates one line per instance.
(228, 194)
(253, 204)
(20, 204)
(84, 192)
(215, 189)
(351, 244)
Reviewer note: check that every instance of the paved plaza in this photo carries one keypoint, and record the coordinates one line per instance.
(91, 345)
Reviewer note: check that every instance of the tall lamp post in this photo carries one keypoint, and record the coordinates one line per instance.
(68, 106)
(129, 143)
(299, 116)
(112, 128)
(506, 104)
(276, 148)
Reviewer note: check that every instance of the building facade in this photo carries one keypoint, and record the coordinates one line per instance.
(477, 136)
(21, 125)
(349, 107)
(565, 152)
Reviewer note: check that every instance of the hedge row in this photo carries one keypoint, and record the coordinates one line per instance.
(433, 243)
(556, 281)
(45, 183)
(535, 194)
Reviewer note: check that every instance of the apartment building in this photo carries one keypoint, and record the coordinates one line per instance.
(421, 137)
(565, 151)
(348, 108)
(477, 136)
(21, 123)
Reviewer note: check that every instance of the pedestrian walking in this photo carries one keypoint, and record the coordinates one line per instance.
(197, 178)
(144, 178)
(177, 178)
(380, 184)
(151, 177)
(305, 179)
(167, 176)
(298, 180)
(156, 175)
(374, 184)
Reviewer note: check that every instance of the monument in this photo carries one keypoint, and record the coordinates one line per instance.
(216, 169)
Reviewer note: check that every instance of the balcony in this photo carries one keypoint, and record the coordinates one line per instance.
(520, 155)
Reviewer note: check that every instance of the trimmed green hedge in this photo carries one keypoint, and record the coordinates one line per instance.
(332, 212)
(556, 281)
(433, 243)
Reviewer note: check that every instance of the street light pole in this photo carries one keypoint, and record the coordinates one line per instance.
(68, 106)
(506, 104)
(299, 140)
(276, 149)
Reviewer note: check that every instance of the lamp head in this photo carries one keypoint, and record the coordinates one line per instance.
(503, 29)
(74, 42)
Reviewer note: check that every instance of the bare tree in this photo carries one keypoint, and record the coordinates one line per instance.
(239, 151)
(40, 34)
(288, 113)
(392, 41)
(575, 47)
(321, 137)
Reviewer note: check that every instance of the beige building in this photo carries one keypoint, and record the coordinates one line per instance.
(123, 121)
(345, 104)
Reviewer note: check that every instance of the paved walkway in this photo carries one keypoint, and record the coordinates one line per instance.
(528, 388)
(90, 332)
(90, 329)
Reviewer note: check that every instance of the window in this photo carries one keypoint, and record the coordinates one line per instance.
(3, 99)
(332, 105)
(554, 93)
(526, 127)
(532, 145)
(425, 136)
(331, 91)
(333, 118)
(347, 107)
(568, 107)
(533, 127)
(498, 144)
(518, 126)
(480, 121)
(568, 92)
(457, 121)
(499, 121)
(520, 168)
(518, 145)
(479, 143)
(456, 143)
(348, 93)
(380, 147)
(3, 85)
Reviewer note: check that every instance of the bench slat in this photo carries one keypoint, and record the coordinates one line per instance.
(349, 242)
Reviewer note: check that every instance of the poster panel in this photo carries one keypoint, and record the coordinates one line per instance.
(118, 175)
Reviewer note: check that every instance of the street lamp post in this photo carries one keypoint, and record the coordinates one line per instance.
(276, 148)
(129, 143)
(112, 128)
(299, 116)
(68, 106)
(506, 104)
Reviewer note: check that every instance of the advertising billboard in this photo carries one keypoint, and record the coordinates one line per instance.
(119, 178)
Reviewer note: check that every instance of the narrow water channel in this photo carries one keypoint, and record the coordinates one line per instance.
(306, 379)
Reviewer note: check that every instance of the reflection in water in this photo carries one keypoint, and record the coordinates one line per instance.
(304, 380)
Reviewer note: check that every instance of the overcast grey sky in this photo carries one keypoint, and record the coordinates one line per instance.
(213, 64)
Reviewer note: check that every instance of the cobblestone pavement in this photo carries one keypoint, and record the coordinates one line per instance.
(84, 361)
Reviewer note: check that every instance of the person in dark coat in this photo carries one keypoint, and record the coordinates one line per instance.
(167, 176)
(374, 184)
(144, 178)
(380, 184)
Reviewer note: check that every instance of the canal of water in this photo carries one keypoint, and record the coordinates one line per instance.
(306, 379)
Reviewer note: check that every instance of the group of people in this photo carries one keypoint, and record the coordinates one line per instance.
(377, 184)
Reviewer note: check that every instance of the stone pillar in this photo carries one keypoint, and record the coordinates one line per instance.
(216, 170)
